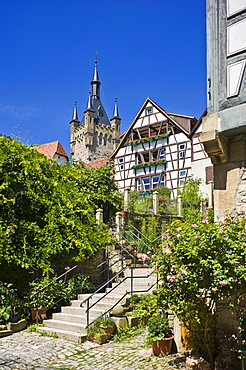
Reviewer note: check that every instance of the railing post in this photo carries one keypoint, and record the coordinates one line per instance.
(131, 280)
(99, 218)
(210, 194)
(87, 312)
(179, 205)
(155, 203)
(126, 199)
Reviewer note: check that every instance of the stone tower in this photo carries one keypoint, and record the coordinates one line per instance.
(95, 137)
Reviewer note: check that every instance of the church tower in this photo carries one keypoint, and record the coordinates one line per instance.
(95, 137)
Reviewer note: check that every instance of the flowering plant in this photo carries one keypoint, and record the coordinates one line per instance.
(203, 262)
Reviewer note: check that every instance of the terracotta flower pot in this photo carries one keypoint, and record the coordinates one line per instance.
(162, 347)
(41, 313)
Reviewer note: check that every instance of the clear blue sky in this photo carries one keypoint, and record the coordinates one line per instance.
(147, 48)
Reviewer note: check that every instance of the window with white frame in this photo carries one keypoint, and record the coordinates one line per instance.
(181, 154)
(146, 183)
(182, 173)
(181, 182)
(139, 185)
(181, 146)
(162, 182)
(162, 153)
(155, 181)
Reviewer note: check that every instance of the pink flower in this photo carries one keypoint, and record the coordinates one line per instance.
(244, 244)
(221, 231)
(144, 257)
(236, 264)
(178, 235)
(147, 273)
(171, 278)
(234, 281)
(179, 229)
(205, 221)
(195, 237)
(180, 278)
(222, 223)
(233, 215)
(223, 283)
(194, 225)
(183, 272)
(213, 290)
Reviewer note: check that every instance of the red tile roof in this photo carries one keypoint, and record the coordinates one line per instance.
(97, 163)
(50, 149)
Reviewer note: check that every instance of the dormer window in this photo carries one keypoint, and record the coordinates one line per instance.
(148, 111)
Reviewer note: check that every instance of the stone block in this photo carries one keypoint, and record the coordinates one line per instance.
(16, 326)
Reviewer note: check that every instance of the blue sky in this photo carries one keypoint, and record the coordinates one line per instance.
(147, 48)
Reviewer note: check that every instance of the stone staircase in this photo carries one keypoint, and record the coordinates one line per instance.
(70, 323)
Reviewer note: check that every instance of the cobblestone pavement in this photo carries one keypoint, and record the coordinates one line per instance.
(30, 351)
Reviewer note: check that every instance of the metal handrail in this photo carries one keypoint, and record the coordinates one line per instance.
(119, 300)
(52, 282)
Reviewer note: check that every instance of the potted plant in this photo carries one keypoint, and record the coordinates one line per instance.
(101, 329)
(159, 334)
(107, 324)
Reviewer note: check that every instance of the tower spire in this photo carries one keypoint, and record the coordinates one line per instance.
(75, 113)
(95, 83)
(116, 111)
(89, 105)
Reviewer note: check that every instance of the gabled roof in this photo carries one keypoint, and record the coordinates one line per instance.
(198, 124)
(50, 149)
(166, 114)
(97, 163)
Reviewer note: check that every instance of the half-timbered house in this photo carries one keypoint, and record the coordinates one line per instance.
(155, 150)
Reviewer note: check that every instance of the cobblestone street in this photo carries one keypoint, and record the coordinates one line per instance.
(25, 350)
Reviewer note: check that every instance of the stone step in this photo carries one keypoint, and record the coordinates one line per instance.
(102, 306)
(64, 334)
(69, 310)
(65, 325)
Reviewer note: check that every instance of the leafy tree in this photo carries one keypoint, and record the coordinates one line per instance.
(201, 263)
(47, 210)
(191, 197)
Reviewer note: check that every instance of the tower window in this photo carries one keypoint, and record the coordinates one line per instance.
(104, 142)
(100, 141)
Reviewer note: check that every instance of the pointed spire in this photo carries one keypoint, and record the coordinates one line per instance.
(89, 105)
(95, 75)
(95, 83)
(116, 111)
(75, 113)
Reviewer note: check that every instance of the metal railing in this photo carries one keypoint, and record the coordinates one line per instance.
(132, 291)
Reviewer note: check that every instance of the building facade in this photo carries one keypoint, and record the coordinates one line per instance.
(95, 136)
(224, 127)
(156, 150)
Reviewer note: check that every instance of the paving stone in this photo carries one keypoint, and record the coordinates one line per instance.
(31, 351)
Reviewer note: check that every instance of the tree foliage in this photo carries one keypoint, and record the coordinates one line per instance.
(47, 210)
(202, 263)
